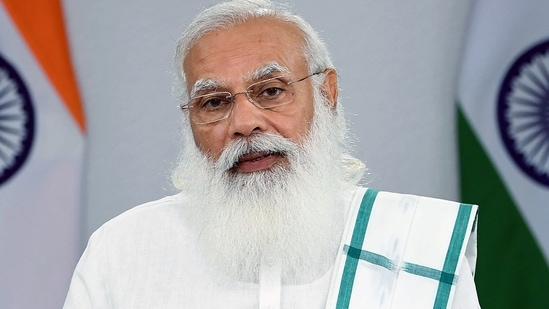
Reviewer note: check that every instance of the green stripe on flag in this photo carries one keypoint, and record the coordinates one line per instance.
(511, 270)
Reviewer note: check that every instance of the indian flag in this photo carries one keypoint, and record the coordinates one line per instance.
(504, 149)
(42, 134)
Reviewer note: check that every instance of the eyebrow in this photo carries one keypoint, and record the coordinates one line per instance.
(204, 85)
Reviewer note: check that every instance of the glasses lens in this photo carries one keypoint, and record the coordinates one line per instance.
(210, 107)
(271, 93)
(216, 106)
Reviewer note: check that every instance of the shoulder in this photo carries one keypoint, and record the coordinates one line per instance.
(360, 194)
(149, 218)
(164, 206)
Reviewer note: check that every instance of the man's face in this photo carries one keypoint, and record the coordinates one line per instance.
(229, 58)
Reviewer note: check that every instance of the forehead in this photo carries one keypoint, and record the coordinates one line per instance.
(232, 54)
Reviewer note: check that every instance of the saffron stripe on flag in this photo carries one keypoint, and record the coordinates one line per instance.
(42, 25)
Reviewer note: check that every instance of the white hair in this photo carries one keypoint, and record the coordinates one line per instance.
(227, 14)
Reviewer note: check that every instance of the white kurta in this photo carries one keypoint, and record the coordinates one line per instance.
(146, 258)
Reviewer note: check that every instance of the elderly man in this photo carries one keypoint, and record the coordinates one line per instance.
(269, 214)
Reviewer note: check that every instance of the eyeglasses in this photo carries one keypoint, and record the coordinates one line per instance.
(265, 94)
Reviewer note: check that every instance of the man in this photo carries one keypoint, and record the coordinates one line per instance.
(269, 214)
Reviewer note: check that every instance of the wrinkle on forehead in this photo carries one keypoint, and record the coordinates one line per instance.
(265, 71)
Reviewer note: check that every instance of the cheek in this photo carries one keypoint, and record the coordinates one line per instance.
(305, 114)
(209, 141)
(297, 125)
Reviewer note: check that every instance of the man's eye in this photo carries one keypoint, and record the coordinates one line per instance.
(272, 92)
(214, 103)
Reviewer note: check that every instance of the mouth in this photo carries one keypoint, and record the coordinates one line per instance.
(257, 161)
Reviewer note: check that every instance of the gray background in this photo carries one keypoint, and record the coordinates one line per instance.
(398, 63)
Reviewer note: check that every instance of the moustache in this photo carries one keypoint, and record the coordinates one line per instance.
(266, 143)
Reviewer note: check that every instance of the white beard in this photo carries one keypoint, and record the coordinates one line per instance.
(290, 213)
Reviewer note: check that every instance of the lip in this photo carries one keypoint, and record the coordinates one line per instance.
(256, 161)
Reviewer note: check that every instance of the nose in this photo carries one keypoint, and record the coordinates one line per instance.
(245, 118)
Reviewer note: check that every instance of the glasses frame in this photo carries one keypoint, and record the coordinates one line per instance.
(231, 97)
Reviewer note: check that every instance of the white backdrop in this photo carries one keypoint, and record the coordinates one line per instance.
(397, 60)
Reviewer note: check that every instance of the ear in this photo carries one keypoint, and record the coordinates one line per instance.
(329, 87)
